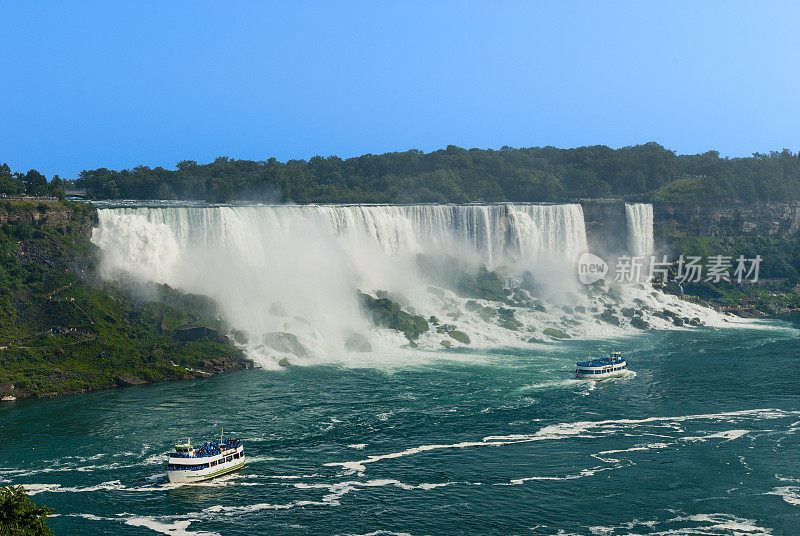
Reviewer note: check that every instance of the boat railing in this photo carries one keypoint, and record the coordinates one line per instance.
(601, 362)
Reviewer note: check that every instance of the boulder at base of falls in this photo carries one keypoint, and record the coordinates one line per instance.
(128, 379)
(356, 342)
(485, 284)
(446, 343)
(460, 336)
(241, 337)
(194, 333)
(639, 323)
(555, 333)
(609, 316)
(384, 312)
(665, 314)
(286, 343)
(507, 319)
(486, 313)
(519, 298)
(534, 340)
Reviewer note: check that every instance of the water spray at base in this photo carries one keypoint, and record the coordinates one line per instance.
(357, 284)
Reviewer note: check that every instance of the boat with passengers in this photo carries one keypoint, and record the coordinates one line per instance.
(190, 463)
(604, 367)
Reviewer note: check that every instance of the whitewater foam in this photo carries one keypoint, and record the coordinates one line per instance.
(580, 429)
(715, 524)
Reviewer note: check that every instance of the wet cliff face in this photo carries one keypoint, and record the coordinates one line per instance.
(614, 227)
(606, 226)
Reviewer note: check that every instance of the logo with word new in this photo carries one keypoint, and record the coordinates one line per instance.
(591, 268)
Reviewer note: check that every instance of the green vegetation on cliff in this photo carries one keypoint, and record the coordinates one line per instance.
(777, 291)
(780, 254)
(62, 330)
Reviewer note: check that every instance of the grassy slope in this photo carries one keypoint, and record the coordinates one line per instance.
(65, 331)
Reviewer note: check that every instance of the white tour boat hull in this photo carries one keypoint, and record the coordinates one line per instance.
(602, 376)
(601, 369)
(182, 477)
(200, 468)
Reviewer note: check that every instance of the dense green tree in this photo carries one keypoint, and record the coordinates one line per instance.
(10, 183)
(20, 516)
(35, 183)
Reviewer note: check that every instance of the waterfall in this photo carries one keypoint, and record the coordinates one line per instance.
(153, 239)
(296, 269)
(639, 217)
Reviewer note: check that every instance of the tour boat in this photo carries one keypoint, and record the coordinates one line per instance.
(189, 463)
(601, 368)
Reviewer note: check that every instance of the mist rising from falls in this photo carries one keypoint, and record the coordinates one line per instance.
(639, 217)
(297, 269)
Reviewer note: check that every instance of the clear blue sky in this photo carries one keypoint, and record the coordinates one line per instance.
(116, 84)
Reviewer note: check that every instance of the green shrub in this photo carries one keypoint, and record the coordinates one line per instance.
(20, 516)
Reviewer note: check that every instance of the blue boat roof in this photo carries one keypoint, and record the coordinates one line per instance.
(600, 362)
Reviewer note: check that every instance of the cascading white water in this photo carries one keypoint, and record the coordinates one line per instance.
(295, 270)
(639, 217)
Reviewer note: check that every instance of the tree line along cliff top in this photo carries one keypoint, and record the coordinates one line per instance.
(646, 172)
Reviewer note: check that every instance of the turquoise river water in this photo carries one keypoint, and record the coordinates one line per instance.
(703, 438)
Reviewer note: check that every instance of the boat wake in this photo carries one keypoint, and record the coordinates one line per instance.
(668, 426)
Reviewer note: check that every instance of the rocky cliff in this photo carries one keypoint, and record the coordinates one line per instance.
(730, 219)
(606, 223)
(62, 330)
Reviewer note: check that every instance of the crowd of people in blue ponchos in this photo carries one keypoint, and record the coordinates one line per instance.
(211, 448)
(601, 362)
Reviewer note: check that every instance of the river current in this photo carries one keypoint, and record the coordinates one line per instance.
(700, 438)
